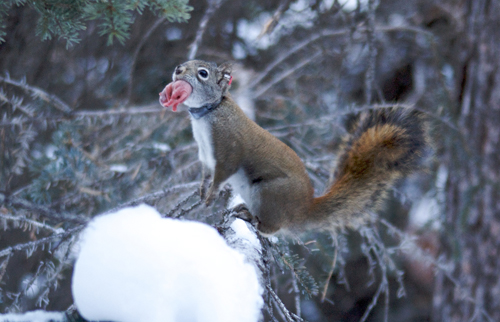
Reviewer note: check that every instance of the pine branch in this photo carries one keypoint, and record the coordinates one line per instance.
(43, 241)
(39, 93)
(3, 267)
(154, 196)
(43, 210)
(30, 222)
(17, 104)
(282, 307)
(53, 274)
(180, 204)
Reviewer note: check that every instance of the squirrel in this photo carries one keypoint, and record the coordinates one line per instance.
(386, 145)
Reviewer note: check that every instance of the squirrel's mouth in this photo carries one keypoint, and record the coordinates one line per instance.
(175, 93)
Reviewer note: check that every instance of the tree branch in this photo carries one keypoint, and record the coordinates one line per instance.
(278, 78)
(31, 223)
(154, 196)
(213, 5)
(372, 52)
(39, 93)
(9, 250)
(43, 211)
(323, 34)
(144, 38)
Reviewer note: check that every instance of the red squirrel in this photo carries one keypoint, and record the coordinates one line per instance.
(385, 146)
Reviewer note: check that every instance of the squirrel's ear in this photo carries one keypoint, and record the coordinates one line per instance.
(225, 77)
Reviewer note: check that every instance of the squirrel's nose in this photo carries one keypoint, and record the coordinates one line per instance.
(179, 69)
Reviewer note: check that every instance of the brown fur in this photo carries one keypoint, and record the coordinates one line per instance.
(284, 189)
(385, 146)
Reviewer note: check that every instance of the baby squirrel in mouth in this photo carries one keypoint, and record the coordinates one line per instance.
(385, 146)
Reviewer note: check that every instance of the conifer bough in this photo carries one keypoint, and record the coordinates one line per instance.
(67, 18)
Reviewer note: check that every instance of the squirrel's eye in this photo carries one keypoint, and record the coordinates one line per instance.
(203, 73)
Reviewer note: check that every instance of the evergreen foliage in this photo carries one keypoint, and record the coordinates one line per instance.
(82, 134)
(67, 18)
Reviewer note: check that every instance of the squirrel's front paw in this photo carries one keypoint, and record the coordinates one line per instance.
(210, 197)
(203, 186)
(203, 191)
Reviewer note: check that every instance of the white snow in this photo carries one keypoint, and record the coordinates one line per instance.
(236, 200)
(424, 212)
(241, 230)
(350, 5)
(136, 266)
(120, 168)
(427, 211)
(162, 147)
(34, 316)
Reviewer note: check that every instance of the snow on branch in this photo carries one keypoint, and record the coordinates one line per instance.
(136, 266)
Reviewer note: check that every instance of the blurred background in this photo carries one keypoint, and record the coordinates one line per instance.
(82, 132)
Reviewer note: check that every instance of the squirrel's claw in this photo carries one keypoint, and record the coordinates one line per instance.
(209, 200)
(210, 196)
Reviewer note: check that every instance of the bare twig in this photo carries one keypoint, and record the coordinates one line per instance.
(372, 52)
(124, 111)
(330, 273)
(3, 267)
(273, 22)
(148, 109)
(384, 261)
(408, 246)
(280, 304)
(324, 34)
(331, 117)
(144, 38)
(291, 51)
(180, 204)
(296, 296)
(213, 5)
(278, 78)
(383, 287)
(183, 212)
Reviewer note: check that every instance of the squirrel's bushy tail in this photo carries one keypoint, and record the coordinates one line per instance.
(386, 145)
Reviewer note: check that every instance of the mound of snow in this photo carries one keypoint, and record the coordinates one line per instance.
(136, 266)
(33, 316)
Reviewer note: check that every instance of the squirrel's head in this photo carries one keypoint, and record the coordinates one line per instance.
(197, 83)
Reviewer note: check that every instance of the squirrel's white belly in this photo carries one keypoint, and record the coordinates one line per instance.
(241, 186)
(203, 135)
